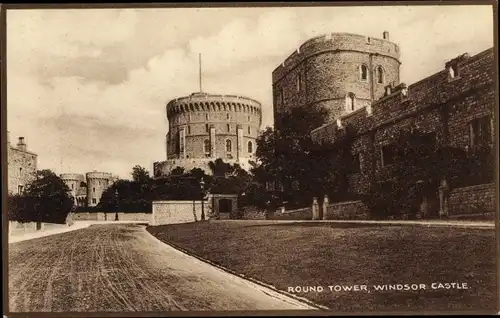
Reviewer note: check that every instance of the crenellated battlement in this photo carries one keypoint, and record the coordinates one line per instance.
(337, 42)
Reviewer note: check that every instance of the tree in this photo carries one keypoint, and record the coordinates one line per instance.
(300, 167)
(46, 199)
(140, 175)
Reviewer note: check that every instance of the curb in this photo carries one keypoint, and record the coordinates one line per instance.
(250, 279)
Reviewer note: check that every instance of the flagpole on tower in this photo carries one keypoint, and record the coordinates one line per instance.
(199, 63)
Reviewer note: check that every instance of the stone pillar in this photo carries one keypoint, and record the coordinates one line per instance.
(212, 142)
(325, 206)
(182, 143)
(443, 199)
(315, 209)
(239, 146)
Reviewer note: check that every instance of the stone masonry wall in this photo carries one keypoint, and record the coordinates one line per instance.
(173, 212)
(437, 104)
(22, 166)
(353, 210)
(473, 200)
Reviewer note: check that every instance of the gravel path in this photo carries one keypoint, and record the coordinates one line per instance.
(121, 267)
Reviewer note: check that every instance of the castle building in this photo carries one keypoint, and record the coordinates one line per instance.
(77, 186)
(87, 190)
(22, 165)
(342, 72)
(204, 127)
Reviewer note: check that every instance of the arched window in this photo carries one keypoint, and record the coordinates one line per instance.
(250, 147)
(350, 101)
(206, 145)
(380, 75)
(363, 72)
(228, 146)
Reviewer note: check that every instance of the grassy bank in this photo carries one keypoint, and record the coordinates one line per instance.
(321, 254)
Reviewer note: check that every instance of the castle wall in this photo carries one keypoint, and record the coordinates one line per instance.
(73, 181)
(97, 183)
(437, 104)
(329, 68)
(22, 167)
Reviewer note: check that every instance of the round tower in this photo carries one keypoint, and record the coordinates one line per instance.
(204, 127)
(340, 71)
(97, 183)
(73, 181)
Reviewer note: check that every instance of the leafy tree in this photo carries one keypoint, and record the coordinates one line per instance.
(45, 199)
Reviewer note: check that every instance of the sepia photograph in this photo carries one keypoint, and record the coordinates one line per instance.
(249, 159)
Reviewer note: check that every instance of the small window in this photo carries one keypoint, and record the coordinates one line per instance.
(248, 118)
(249, 130)
(228, 128)
(93, 190)
(94, 201)
(206, 127)
(356, 163)
(228, 146)
(368, 40)
(299, 82)
(250, 147)
(20, 170)
(480, 131)
(20, 189)
(363, 72)
(206, 146)
(387, 155)
(228, 116)
(350, 102)
(189, 130)
(72, 186)
(380, 75)
(206, 116)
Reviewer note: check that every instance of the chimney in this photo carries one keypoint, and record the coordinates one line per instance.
(386, 35)
(21, 145)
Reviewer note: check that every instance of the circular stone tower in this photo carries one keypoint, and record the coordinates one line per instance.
(204, 127)
(73, 181)
(97, 182)
(340, 71)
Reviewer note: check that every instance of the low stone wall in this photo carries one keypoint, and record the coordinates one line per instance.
(351, 210)
(298, 214)
(174, 212)
(111, 216)
(478, 199)
(253, 213)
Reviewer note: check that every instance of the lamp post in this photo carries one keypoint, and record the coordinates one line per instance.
(202, 185)
(117, 205)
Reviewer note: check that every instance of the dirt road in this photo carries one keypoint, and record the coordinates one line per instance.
(113, 268)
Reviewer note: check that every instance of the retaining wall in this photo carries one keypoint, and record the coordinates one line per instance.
(478, 199)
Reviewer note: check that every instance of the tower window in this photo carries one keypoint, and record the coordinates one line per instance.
(363, 70)
(248, 118)
(228, 116)
(93, 190)
(380, 75)
(20, 189)
(299, 82)
(206, 127)
(189, 130)
(249, 130)
(94, 201)
(350, 102)
(228, 146)
(206, 116)
(206, 146)
(250, 147)
(480, 131)
(228, 128)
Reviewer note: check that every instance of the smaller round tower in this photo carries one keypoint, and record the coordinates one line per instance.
(73, 181)
(97, 183)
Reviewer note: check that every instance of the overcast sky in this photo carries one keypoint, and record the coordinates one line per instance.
(87, 88)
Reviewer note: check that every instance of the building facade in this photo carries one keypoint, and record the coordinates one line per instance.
(77, 186)
(97, 183)
(204, 127)
(454, 107)
(342, 72)
(22, 166)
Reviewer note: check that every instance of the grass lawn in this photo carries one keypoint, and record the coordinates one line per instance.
(327, 254)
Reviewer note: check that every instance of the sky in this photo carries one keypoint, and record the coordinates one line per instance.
(87, 88)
